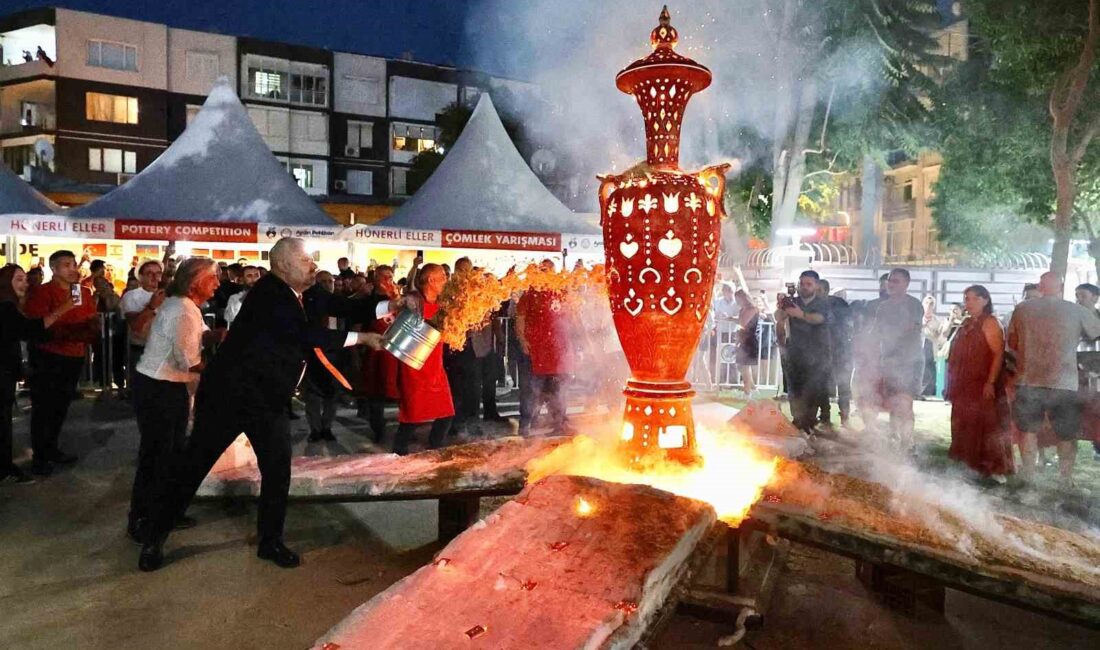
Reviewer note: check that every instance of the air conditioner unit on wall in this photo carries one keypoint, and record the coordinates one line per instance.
(341, 184)
(351, 151)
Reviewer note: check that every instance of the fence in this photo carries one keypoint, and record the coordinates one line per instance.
(715, 366)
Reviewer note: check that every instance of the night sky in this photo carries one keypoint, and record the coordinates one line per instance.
(430, 30)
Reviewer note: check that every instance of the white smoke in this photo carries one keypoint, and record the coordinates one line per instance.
(572, 50)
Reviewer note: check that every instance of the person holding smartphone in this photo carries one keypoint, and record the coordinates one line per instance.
(58, 361)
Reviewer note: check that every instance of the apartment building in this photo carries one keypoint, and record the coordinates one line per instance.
(96, 98)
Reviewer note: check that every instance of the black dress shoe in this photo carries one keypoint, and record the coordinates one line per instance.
(327, 435)
(184, 522)
(278, 553)
(152, 554)
(61, 458)
(41, 468)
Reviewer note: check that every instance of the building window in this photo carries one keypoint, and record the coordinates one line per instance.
(413, 138)
(303, 175)
(111, 108)
(398, 186)
(308, 89)
(202, 67)
(907, 192)
(18, 157)
(360, 136)
(113, 161)
(267, 84)
(116, 56)
(360, 182)
(30, 114)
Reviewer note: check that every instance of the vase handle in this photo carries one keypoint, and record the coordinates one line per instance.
(607, 186)
(713, 179)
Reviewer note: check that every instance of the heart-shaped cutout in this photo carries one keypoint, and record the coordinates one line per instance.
(709, 248)
(633, 311)
(670, 246)
(628, 248)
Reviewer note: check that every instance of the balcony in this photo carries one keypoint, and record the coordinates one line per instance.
(27, 70)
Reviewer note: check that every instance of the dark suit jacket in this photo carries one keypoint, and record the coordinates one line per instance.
(258, 366)
(320, 305)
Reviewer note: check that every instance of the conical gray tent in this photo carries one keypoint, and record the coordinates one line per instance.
(18, 197)
(484, 184)
(218, 170)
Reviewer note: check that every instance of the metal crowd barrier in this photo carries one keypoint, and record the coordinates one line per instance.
(715, 364)
(107, 361)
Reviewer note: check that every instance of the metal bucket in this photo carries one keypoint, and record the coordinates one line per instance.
(411, 339)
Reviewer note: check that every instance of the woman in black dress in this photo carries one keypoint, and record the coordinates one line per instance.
(15, 327)
(748, 342)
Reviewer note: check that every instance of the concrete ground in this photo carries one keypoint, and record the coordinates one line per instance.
(68, 575)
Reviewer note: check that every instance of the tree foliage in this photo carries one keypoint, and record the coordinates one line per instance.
(852, 83)
(998, 138)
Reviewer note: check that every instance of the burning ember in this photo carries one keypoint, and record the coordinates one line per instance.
(731, 474)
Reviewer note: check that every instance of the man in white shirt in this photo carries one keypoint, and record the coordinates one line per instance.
(138, 307)
(233, 307)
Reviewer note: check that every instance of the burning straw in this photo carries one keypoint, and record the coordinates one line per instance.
(469, 299)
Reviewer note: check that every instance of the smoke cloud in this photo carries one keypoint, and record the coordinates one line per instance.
(572, 50)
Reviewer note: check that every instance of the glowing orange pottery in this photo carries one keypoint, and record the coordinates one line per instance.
(661, 240)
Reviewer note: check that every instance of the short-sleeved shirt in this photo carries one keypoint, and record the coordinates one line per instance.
(547, 332)
(175, 342)
(725, 315)
(132, 302)
(896, 325)
(1047, 332)
(805, 337)
(67, 334)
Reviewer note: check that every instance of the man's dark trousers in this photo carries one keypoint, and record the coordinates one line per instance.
(217, 425)
(53, 388)
(807, 386)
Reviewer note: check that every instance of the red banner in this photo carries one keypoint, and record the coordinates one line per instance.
(515, 241)
(244, 233)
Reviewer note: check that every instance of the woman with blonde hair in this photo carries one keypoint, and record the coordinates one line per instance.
(169, 365)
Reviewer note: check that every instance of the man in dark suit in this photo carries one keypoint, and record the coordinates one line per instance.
(246, 388)
(325, 310)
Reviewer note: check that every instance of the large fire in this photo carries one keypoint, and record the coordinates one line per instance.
(731, 475)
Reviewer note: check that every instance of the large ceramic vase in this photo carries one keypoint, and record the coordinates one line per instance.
(661, 240)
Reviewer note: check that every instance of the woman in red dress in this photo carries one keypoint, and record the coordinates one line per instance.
(979, 436)
(425, 395)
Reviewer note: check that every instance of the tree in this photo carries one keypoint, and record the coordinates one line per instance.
(1033, 103)
(850, 77)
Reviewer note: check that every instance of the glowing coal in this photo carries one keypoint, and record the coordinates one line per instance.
(731, 474)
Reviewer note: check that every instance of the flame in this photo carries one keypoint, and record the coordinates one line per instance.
(731, 478)
(584, 508)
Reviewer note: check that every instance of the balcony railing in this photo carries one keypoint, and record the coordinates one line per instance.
(27, 70)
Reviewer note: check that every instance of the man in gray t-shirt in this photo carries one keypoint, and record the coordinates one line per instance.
(1044, 334)
(891, 359)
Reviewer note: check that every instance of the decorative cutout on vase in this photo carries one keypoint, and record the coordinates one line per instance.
(659, 311)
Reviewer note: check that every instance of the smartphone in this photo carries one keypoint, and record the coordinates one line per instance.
(78, 295)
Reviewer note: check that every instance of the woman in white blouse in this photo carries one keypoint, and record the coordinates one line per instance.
(170, 363)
